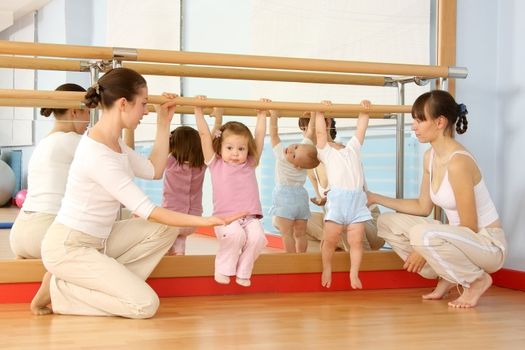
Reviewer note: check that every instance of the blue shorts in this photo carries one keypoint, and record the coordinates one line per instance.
(346, 206)
(290, 202)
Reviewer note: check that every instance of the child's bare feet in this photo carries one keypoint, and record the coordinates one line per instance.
(40, 302)
(355, 282)
(471, 295)
(326, 278)
(441, 290)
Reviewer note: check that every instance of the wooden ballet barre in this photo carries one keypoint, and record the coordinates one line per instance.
(230, 60)
(241, 112)
(200, 71)
(193, 101)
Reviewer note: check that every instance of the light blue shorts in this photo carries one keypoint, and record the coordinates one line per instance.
(346, 206)
(290, 202)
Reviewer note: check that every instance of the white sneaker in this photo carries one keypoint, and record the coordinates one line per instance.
(243, 282)
(220, 278)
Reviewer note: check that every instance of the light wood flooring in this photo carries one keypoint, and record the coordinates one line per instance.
(373, 319)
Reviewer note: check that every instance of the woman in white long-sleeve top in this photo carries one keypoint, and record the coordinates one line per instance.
(47, 176)
(97, 266)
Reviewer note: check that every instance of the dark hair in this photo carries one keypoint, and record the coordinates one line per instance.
(58, 112)
(303, 125)
(234, 128)
(185, 146)
(115, 84)
(440, 103)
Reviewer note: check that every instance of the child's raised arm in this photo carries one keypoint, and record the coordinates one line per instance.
(320, 127)
(274, 128)
(217, 113)
(260, 129)
(362, 122)
(204, 132)
(310, 130)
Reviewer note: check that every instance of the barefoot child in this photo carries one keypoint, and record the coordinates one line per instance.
(290, 207)
(346, 200)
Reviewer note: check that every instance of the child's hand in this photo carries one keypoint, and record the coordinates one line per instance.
(199, 109)
(318, 201)
(217, 112)
(274, 113)
(263, 112)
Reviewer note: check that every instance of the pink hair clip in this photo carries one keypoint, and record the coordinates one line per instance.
(217, 134)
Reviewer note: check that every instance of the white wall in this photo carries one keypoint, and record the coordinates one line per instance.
(489, 43)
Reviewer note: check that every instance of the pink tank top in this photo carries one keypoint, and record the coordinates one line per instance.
(235, 187)
(444, 197)
(182, 189)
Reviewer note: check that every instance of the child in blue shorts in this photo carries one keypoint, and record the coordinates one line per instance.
(290, 207)
(346, 200)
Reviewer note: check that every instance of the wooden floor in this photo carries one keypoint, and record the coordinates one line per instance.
(376, 319)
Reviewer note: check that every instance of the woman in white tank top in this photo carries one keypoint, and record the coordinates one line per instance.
(473, 244)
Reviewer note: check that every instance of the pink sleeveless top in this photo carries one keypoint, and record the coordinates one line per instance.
(235, 187)
(444, 197)
(182, 189)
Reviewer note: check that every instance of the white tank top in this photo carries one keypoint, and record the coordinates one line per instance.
(444, 197)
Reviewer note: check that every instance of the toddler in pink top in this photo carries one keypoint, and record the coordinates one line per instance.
(232, 153)
(183, 179)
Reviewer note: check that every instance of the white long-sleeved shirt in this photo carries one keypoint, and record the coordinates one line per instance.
(99, 180)
(47, 172)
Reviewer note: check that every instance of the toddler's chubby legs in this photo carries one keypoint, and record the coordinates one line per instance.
(355, 235)
(331, 234)
(179, 247)
(293, 233)
(241, 242)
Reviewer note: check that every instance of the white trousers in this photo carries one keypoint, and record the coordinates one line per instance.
(27, 233)
(454, 253)
(94, 276)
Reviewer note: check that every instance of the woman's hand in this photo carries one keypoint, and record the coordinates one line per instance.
(318, 201)
(166, 110)
(225, 220)
(414, 262)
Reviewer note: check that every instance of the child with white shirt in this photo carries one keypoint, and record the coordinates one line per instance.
(290, 203)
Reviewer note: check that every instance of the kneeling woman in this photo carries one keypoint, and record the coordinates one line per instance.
(97, 266)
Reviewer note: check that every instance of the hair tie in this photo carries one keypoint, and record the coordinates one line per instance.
(97, 88)
(217, 134)
(462, 109)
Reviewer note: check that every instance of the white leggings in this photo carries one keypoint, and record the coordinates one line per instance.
(94, 276)
(454, 253)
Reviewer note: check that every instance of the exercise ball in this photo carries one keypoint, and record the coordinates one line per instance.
(20, 198)
(7, 183)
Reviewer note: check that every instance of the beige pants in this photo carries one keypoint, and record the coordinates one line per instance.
(371, 241)
(93, 276)
(454, 253)
(28, 232)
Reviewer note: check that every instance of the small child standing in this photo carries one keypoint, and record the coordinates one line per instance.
(346, 200)
(290, 206)
(183, 179)
(232, 153)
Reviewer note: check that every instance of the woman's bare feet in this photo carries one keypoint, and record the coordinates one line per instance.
(471, 295)
(355, 282)
(441, 290)
(39, 304)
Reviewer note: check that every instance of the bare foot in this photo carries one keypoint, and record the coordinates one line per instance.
(326, 278)
(441, 290)
(39, 304)
(355, 282)
(471, 295)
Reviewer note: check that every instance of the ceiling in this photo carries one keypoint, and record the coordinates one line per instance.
(11, 10)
